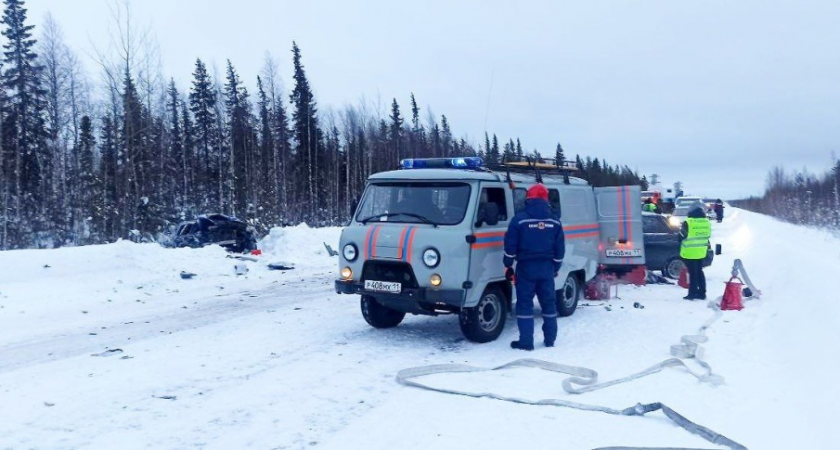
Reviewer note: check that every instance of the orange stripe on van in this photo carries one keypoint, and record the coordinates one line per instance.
(583, 235)
(580, 227)
(367, 243)
(375, 237)
(410, 244)
(402, 242)
(490, 234)
(487, 245)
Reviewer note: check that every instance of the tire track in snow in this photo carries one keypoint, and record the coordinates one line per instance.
(110, 335)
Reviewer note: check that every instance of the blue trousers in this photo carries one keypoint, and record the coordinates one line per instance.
(535, 278)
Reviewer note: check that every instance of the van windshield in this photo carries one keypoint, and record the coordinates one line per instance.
(435, 203)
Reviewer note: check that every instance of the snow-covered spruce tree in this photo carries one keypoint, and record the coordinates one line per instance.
(132, 162)
(26, 158)
(417, 136)
(446, 137)
(203, 106)
(177, 172)
(306, 136)
(189, 164)
(395, 131)
(284, 174)
(559, 156)
(107, 211)
(239, 130)
(88, 182)
(265, 187)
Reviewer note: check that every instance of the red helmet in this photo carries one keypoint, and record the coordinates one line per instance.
(537, 191)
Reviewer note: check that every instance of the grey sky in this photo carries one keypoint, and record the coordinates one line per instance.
(712, 93)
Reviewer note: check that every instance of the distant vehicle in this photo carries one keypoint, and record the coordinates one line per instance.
(678, 216)
(688, 201)
(662, 246)
(227, 231)
(653, 195)
(709, 204)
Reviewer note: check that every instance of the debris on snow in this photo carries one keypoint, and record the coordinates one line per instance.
(109, 352)
(281, 266)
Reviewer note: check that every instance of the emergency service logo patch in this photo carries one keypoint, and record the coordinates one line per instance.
(541, 225)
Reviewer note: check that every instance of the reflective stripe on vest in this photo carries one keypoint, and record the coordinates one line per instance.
(695, 245)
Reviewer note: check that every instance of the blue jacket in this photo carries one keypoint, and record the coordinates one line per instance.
(535, 234)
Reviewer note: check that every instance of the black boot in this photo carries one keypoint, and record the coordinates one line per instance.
(516, 345)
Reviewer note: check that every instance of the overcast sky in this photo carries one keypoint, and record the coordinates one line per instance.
(712, 93)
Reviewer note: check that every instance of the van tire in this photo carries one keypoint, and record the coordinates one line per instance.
(568, 295)
(485, 322)
(673, 267)
(379, 316)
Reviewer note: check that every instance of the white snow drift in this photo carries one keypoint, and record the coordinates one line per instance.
(107, 347)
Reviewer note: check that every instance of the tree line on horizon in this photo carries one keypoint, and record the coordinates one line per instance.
(132, 154)
(800, 197)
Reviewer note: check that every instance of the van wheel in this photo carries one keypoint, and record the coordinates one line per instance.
(567, 296)
(379, 316)
(485, 322)
(673, 267)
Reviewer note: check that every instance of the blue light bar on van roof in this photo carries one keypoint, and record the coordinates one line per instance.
(472, 162)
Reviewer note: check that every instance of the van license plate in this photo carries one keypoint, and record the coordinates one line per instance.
(383, 286)
(624, 253)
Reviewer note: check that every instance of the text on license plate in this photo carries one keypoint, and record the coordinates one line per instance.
(624, 253)
(383, 286)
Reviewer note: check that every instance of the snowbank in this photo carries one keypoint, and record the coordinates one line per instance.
(301, 245)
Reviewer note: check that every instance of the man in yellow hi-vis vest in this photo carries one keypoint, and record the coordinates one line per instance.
(694, 236)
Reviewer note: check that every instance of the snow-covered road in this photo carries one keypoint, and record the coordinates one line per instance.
(278, 360)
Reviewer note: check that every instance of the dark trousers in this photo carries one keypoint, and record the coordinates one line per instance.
(535, 278)
(719, 215)
(696, 278)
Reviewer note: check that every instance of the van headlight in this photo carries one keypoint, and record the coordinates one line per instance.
(431, 258)
(674, 221)
(350, 252)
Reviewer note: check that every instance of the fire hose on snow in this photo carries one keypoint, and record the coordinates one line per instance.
(582, 380)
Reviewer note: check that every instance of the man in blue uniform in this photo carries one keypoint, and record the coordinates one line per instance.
(535, 241)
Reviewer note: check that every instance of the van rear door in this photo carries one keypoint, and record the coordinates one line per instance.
(620, 219)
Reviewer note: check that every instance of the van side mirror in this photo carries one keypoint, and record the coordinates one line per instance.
(488, 213)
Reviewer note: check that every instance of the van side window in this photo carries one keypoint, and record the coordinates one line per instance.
(554, 201)
(519, 199)
(497, 196)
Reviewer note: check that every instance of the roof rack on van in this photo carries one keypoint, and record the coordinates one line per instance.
(528, 164)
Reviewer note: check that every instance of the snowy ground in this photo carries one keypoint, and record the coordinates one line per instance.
(278, 360)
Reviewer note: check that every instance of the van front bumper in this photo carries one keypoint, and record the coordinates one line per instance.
(417, 301)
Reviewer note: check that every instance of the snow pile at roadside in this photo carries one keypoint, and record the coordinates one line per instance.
(301, 245)
(98, 282)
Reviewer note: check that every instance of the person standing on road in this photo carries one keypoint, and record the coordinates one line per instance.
(694, 244)
(535, 241)
(649, 206)
(719, 210)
